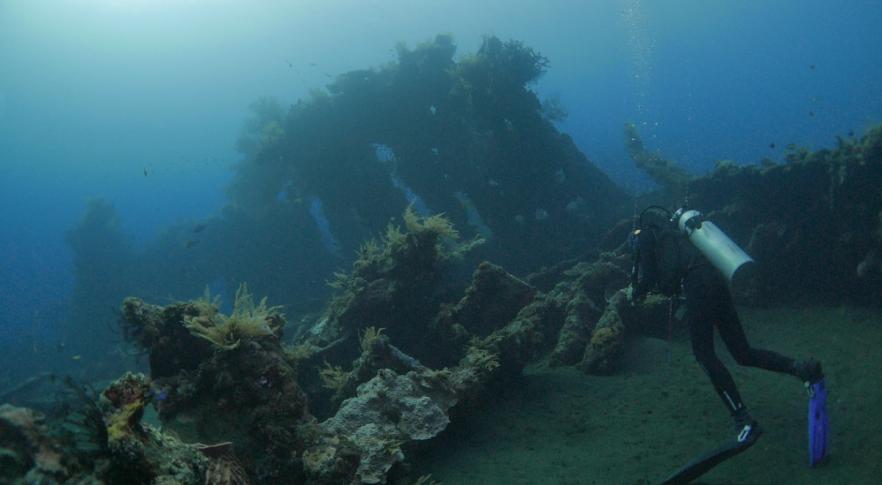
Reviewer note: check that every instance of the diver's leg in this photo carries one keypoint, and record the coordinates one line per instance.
(702, 288)
(736, 341)
(701, 333)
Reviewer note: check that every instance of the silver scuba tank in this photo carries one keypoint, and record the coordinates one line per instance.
(735, 265)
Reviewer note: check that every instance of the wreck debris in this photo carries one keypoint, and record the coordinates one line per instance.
(585, 289)
(666, 173)
(35, 448)
(388, 411)
(223, 467)
(245, 393)
(400, 377)
(808, 222)
(396, 284)
(493, 299)
(229, 380)
(466, 126)
(391, 410)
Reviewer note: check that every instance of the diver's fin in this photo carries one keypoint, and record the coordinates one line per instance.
(817, 422)
(703, 463)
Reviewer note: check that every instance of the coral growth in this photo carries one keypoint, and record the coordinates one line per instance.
(369, 337)
(56, 449)
(334, 378)
(124, 403)
(395, 283)
(26, 449)
(248, 321)
(246, 394)
(808, 222)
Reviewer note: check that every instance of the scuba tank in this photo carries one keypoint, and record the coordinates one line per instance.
(734, 264)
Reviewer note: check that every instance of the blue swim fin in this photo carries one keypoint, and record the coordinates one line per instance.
(817, 422)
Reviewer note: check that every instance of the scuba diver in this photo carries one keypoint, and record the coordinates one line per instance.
(682, 254)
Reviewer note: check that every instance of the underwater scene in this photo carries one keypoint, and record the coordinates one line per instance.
(419, 242)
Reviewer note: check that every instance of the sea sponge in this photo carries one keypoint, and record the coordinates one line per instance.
(123, 403)
(121, 424)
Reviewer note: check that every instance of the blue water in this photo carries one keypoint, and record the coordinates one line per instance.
(140, 102)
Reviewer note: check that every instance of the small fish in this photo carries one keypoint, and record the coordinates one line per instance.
(772, 145)
(145, 172)
(199, 228)
(871, 265)
(312, 64)
(812, 67)
(290, 66)
(190, 243)
(851, 133)
(812, 114)
(59, 347)
(76, 357)
(159, 393)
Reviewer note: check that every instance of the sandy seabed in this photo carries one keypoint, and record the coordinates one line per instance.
(559, 426)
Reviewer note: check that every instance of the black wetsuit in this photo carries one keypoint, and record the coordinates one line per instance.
(708, 305)
(670, 264)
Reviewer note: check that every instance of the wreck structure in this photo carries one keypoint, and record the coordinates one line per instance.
(433, 312)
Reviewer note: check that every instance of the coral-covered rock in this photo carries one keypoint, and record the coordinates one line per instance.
(607, 339)
(160, 330)
(332, 460)
(123, 405)
(26, 448)
(243, 390)
(72, 449)
(585, 288)
(364, 439)
(388, 411)
(492, 299)
(581, 315)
